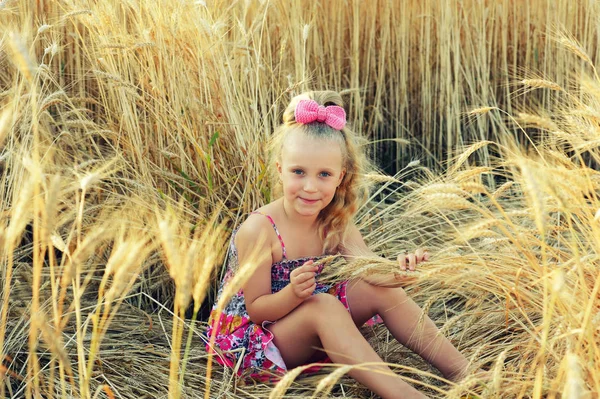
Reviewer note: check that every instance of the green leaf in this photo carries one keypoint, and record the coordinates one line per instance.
(208, 172)
(188, 179)
(214, 138)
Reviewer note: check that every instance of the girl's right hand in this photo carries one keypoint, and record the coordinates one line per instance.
(302, 280)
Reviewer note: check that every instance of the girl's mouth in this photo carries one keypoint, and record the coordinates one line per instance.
(307, 201)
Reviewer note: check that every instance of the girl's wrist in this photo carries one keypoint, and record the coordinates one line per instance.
(291, 294)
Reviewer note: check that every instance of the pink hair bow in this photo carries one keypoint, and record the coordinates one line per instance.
(308, 111)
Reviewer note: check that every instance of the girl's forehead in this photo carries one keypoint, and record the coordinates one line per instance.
(299, 148)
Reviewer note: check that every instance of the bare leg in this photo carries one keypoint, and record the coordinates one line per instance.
(404, 318)
(323, 322)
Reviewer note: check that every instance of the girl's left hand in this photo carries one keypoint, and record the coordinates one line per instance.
(410, 261)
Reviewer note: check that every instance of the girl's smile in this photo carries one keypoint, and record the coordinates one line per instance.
(309, 201)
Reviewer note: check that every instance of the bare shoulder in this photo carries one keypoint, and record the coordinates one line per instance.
(252, 230)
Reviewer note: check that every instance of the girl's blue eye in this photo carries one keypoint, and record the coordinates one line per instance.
(325, 174)
(297, 171)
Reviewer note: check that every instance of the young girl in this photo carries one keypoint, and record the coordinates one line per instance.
(284, 317)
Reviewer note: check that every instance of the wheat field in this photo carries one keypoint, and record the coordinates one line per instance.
(132, 137)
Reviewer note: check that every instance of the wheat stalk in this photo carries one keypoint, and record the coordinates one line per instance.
(571, 44)
(447, 201)
(439, 188)
(574, 386)
(466, 154)
(379, 178)
(541, 84)
(284, 383)
(469, 173)
(77, 13)
(326, 384)
(536, 120)
(474, 188)
(481, 110)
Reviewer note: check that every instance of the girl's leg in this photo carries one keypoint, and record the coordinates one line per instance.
(405, 320)
(323, 322)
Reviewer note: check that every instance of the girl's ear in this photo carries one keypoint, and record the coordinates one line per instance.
(341, 176)
(278, 165)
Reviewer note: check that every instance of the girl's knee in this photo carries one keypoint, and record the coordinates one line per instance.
(324, 307)
(325, 302)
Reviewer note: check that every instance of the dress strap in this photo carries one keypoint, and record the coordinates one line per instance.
(276, 232)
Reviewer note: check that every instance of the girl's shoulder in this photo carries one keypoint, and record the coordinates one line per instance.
(257, 229)
(253, 227)
(259, 219)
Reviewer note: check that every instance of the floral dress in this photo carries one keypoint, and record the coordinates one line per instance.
(238, 337)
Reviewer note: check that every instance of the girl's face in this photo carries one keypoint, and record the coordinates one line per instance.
(310, 170)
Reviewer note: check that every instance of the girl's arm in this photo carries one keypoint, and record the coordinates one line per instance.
(261, 304)
(355, 247)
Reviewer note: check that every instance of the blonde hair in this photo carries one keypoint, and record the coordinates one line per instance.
(334, 220)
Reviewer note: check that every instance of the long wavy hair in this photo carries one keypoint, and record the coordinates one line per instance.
(334, 220)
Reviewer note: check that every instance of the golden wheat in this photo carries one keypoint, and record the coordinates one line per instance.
(466, 154)
(284, 383)
(326, 384)
(449, 188)
(526, 119)
(541, 84)
(474, 188)
(446, 201)
(481, 110)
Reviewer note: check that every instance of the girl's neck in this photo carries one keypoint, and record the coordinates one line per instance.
(300, 221)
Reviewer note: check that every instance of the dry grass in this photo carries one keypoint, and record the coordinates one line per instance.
(132, 137)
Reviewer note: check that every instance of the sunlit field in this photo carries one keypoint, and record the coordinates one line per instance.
(133, 140)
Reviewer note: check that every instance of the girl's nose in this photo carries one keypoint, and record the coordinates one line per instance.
(310, 186)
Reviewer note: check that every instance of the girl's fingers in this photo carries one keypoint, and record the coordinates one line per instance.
(419, 254)
(306, 268)
(309, 290)
(310, 287)
(307, 283)
(426, 256)
(412, 261)
(402, 262)
(303, 277)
